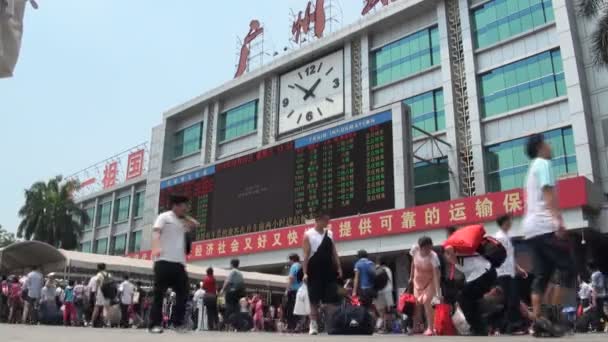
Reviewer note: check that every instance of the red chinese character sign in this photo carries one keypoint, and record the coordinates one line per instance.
(302, 24)
(255, 29)
(135, 164)
(370, 4)
(109, 174)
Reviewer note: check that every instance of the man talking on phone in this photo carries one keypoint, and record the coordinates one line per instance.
(169, 255)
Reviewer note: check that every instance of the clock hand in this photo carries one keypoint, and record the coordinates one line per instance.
(301, 88)
(311, 92)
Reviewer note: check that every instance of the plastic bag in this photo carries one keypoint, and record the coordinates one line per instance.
(460, 322)
(302, 306)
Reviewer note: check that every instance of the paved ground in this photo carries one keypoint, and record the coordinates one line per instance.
(60, 334)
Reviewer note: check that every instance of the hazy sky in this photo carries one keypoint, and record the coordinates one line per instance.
(94, 76)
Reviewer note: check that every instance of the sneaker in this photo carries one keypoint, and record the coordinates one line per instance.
(155, 330)
(314, 328)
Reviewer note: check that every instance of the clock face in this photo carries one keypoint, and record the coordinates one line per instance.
(312, 93)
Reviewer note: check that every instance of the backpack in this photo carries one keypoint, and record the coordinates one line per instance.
(493, 251)
(109, 290)
(466, 241)
(380, 278)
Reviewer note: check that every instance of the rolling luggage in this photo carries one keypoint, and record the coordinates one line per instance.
(351, 320)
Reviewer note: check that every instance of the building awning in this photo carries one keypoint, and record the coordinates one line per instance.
(21, 256)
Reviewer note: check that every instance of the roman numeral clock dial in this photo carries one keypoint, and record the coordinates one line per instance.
(312, 93)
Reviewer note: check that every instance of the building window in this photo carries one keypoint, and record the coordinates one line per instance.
(119, 244)
(85, 247)
(523, 83)
(90, 212)
(498, 20)
(138, 209)
(507, 163)
(432, 181)
(239, 121)
(135, 243)
(189, 140)
(122, 209)
(427, 112)
(405, 57)
(101, 246)
(104, 214)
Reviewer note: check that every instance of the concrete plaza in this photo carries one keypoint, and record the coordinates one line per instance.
(18, 333)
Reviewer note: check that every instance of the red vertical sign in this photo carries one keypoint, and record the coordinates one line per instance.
(135, 164)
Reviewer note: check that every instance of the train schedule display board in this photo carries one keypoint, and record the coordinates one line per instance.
(345, 170)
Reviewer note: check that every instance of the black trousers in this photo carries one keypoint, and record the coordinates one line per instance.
(511, 317)
(599, 310)
(169, 275)
(124, 315)
(292, 320)
(550, 254)
(469, 301)
(210, 302)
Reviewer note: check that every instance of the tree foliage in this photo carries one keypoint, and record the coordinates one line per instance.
(50, 214)
(598, 11)
(6, 238)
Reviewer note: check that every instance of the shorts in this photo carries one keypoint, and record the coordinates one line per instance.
(550, 254)
(367, 296)
(100, 300)
(325, 292)
(384, 300)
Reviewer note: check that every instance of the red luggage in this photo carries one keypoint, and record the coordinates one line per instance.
(466, 241)
(444, 326)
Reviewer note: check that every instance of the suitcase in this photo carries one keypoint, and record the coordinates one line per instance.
(351, 320)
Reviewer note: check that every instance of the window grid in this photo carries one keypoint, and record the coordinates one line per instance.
(432, 181)
(104, 214)
(85, 247)
(523, 83)
(407, 56)
(507, 163)
(138, 209)
(101, 246)
(90, 212)
(239, 121)
(135, 243)
(119, 244)
(188, 140)
(122, 209)
(498, 20)
(427, 112)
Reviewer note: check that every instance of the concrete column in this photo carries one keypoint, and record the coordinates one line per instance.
(261, 110)
(474, 112)
(365, 81)
(94, 224)
(111, 226)
(215, 112)
(205, 137)
(348, 94)
(448, 98)
(582, 124)
(131, 219)
(155, 165)
(403, 162)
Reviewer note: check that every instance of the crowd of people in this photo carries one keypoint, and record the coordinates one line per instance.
(450, 291)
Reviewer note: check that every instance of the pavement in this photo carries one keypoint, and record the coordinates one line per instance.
(18, 333)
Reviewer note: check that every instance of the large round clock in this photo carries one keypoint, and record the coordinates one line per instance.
(312, 93)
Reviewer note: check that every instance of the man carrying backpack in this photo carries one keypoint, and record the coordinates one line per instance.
(102, 304)
(365, 272)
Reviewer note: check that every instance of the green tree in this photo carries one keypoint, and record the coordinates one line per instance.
(597, 10)
(50, 214)
(6, 238)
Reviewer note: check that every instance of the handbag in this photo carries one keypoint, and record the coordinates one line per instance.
(302, 305)
(460, 322)
(443, 320)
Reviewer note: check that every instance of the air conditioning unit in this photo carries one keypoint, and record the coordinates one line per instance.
(11, 31)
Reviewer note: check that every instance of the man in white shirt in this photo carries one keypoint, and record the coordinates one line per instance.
(34, 281)
(198, 303)
(126, 290)
(169, 253)
(506, 277)
(545, 233)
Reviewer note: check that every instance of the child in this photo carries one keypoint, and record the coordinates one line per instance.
(258, 313)
(480, 276)
(14, 300)
(69, 310)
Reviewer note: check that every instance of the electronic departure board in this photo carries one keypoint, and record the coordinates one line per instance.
(345, 170)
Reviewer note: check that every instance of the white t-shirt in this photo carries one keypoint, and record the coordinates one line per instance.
(92, 286)
(126, 289)
(315, 238)
(538, 219)
(473, 267)
(585, 291)
(198, 296)
(508, 267)
(389, 285)
(172, 237)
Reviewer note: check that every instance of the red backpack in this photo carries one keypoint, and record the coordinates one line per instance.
(466, 241)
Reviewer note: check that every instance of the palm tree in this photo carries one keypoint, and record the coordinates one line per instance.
(50, 214)
(6, 238)
(597, 9)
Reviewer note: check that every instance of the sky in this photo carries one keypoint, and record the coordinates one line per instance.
(95, 76)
